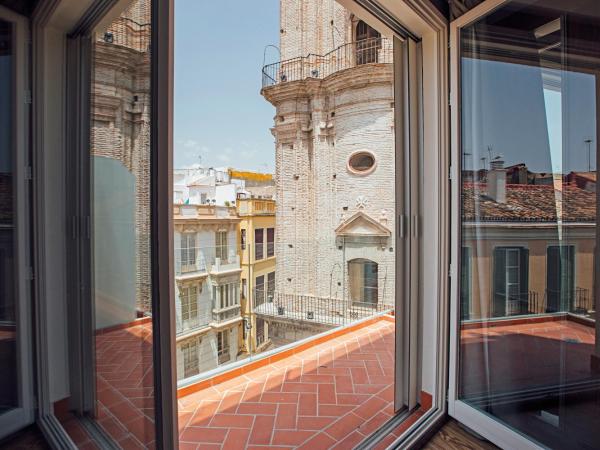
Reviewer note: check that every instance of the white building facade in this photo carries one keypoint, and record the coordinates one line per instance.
(335, 157)
(207, 288)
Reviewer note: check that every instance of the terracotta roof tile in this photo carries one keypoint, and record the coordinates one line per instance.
(528, 203)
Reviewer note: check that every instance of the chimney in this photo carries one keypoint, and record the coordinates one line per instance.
(496, 180)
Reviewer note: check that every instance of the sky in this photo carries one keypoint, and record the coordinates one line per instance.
(510, 109)
(221, 120)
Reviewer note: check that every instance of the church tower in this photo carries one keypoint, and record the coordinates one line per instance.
(335, 167)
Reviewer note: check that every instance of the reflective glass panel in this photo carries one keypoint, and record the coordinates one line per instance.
(529, 351)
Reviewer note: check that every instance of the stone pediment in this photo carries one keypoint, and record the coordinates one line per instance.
(361, 224)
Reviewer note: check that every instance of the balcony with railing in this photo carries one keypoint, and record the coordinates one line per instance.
(353, 54)
(206, 213)
(255, 207)
(221, 316)
(128, 33)
(309, 309)
(197, 262)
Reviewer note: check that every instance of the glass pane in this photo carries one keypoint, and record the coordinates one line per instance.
(8, 301)
(121, 211)
(529, 83)
(297, 162)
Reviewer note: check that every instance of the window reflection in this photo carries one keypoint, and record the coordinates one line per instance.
(529, 140)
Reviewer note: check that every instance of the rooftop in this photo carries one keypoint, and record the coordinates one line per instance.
(529, 203)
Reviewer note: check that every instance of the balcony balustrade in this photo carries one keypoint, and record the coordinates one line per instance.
(128, 33)
(201, 261)
(318, 310)
(367, 51)
(226, 314)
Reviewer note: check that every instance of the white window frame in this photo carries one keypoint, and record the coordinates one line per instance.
(223, 348)
(485, 425)
(23, 414)
(189, 304)
(222, 245)
(189, 350)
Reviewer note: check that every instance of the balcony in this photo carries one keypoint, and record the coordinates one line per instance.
(207, 213)
(367, 51)
(221, 316)
(315, 310)
(256, 207)
(197, 262)
(335, 388)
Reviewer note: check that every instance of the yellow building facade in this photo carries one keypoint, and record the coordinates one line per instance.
(257, 258)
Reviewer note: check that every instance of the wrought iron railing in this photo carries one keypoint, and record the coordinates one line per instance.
(128, 33)
(367, 51)
(318, 310)
(198, 260)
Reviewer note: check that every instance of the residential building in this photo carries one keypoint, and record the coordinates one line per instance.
(527, 248)
(257, 255)
(207, 287)
(335, 164)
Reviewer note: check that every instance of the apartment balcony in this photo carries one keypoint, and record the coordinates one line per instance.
(307, 309)
(198, 262)
(206, 213)
(353, 54)
(226, 315)
(226, 265)
(337, 388)
(256, 207)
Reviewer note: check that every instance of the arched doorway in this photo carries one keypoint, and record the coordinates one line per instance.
(363, 281)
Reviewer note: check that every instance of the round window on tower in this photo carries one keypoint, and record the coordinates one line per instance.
(361, 162)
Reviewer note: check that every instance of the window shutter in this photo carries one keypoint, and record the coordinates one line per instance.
(553, 279)
(524, 280)
(499, 285)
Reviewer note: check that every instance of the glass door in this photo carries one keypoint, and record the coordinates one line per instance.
(525, 357)
(15, 330)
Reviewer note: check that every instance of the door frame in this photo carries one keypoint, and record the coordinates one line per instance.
(485, 425)
(24, 414)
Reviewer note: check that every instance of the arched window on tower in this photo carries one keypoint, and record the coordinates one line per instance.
(368, 43)
(363, 281)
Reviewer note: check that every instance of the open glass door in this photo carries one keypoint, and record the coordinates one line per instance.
(525, 350)
(15, 330)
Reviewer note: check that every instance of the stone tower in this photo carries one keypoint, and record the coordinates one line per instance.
(335, 168)
(120, 128)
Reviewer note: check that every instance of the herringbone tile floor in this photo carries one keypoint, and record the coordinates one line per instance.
(332, 395)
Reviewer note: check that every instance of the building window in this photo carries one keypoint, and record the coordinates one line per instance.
(511, 267)
(361, 163)
(244, 288)
(271, 285)
(560, 278)
(189, 306)
(188, 252)
(259, 291)
(243, 238)
(270, 242)
(227, 295)
(190, 358)
(221, 250)
(368, 43)
(259, 239)
(260, 331)
(363, 279)
(223, 346)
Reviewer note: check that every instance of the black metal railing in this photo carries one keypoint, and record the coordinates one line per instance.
(128, 33)
(367, 51)
(318, 310)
